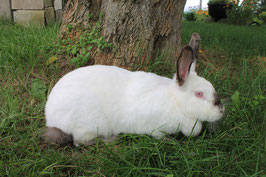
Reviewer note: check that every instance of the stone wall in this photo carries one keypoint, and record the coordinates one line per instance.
(32, 12)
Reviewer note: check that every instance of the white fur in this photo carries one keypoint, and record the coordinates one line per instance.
(106, 100)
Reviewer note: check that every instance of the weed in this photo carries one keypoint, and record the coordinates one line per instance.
(79, 47)
(249, 104)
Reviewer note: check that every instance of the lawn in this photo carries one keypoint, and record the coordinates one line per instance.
(232, 58)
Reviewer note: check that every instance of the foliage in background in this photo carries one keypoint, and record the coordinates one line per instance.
(263, 6)
(262, 16)
(261, 11)
(219, 1)
(244, 13)
(239, 15)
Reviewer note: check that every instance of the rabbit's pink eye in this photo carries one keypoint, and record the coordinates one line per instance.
(199, 94)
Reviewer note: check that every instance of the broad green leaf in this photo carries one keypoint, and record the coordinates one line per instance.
(89, 48)
(74, 50)
(38, 89)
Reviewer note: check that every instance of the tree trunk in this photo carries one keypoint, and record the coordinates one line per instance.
(139, 29)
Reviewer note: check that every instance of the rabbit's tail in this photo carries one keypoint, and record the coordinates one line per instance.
(56, 135)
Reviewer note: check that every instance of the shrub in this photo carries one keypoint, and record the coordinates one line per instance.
(239, 15)
(190, 15)
(242, 14)
(246, 12)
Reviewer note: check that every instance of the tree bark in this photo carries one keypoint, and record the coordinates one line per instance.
(139, 29)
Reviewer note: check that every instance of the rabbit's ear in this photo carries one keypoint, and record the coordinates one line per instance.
(183, 64)
(195, 45)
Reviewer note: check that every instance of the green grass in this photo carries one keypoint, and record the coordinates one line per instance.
(229, 60)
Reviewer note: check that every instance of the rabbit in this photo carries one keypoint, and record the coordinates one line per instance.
(104, 101)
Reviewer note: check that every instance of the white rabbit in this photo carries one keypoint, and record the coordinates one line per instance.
(104, 101)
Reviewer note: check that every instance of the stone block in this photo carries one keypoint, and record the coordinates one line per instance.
(27, 4)
(58, 4)
(48, 3)
(59, 15)
(49, 15)
(29, 17)
(5, 10)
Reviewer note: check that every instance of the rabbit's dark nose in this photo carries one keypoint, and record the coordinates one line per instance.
(217, 101)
